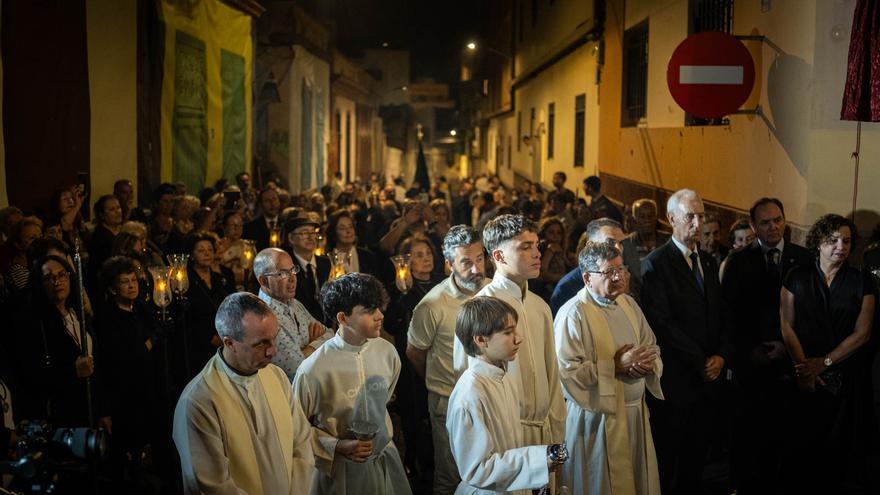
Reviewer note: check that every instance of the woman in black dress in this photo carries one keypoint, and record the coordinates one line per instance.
(207, 289)
(130, 352)
(826, 314)
(412, 396)
(48, 343)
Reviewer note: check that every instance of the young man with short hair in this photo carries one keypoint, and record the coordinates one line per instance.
(512, 242)
(344, 388)
(484, 427)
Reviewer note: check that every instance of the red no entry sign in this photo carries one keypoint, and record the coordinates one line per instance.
(710, 74)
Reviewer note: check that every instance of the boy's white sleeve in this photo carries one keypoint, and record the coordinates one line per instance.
(480, 464)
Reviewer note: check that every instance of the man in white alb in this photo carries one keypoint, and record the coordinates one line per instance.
(237, 426)
(512, 243)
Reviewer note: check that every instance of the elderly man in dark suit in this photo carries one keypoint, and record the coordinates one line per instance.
(259, 228)
(752, 281)
(302, 239)
(681, 298)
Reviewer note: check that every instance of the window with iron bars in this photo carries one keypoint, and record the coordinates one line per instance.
(709, 15)
(635, 75)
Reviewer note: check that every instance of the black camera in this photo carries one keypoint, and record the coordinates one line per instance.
(44, 455)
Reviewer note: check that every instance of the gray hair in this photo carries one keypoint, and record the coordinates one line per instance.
(459, 236)
(266, 260)
(504, 228)
(595, 226)
(674, 201)
(594, 253)
(232, 310)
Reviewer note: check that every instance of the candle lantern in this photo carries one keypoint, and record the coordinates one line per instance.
(248, 251)
(402, 273)
(337, 265)
(178, 277)
(161, 287)
(275, 237)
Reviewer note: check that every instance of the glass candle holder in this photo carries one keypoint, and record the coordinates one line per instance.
(275, 237)
(178, 277)
(248, 251)
(337, 265)
(402, 273)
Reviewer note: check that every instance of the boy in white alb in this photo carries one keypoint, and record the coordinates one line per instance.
(344, 388)
(483, 417)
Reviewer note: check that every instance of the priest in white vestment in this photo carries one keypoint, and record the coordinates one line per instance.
(344, 388)
(608, 356)
(512, 243)
(237, 426)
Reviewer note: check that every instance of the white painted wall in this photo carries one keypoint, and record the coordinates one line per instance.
(314, 71)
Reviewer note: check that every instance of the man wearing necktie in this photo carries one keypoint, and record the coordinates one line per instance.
(302, 239)
(752, 280)
(259, 229)
(681, 299)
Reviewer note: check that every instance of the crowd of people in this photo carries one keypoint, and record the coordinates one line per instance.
(520, 340)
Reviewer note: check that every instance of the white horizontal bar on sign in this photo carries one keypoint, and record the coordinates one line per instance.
(710, 74)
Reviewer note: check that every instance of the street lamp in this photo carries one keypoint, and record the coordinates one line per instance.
(472, 46)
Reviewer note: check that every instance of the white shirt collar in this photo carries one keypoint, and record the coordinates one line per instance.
(765, 248)
(686, 251)
(304, 262)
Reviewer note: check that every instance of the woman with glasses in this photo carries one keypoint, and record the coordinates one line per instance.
(50, 347)
(827, 310)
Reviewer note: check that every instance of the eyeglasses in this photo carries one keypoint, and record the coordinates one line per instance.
(613, 273)
(56, 277)
(306, 234)
(284, 274)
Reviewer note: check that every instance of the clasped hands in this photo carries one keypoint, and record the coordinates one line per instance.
(635, 362)
(808, 372)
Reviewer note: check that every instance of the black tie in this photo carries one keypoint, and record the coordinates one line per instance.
(271, 224)
(773, 263)
(314, 279)
(695, 267)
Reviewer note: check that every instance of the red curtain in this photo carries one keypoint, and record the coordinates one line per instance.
(861, 96)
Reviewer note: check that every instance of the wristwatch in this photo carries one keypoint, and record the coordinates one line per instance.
(557, 454)
(827, 362)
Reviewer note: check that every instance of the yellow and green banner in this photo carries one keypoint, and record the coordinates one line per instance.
(206, 87)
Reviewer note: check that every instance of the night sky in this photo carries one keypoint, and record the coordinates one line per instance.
(435, 32)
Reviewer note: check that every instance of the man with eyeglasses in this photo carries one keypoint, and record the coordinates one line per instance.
(681, 297)
(299, 333)
(302, 236)
(601, 230)
(607, 357)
